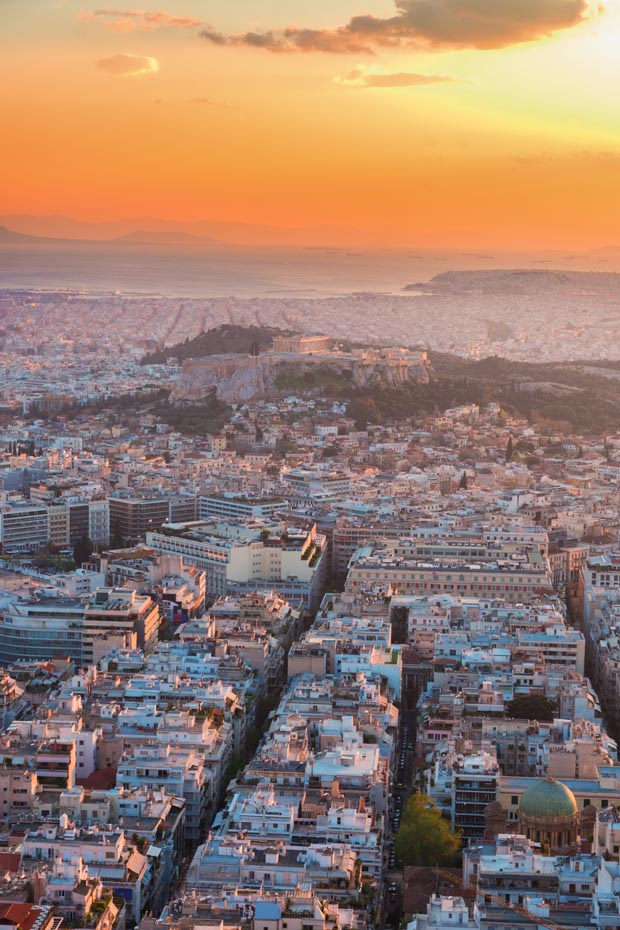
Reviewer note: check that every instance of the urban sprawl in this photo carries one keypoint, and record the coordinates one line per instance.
(298, 673)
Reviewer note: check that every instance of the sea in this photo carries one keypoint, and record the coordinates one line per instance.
(243, 271)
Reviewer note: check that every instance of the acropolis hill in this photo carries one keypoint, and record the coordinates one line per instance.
(239, 378)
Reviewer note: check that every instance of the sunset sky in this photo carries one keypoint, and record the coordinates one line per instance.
(437, 122)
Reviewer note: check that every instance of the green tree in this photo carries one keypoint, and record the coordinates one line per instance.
(424, 837)
(463, 482)
(82, 549)
(509, 449)
(117, 541)
(532, 707)
(363, 410)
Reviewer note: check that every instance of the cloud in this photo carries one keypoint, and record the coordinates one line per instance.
(210, 102)
(483, 24)
(361, 76)
(127, 65)
(143, 20)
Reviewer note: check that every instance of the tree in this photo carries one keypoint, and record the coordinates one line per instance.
(363, 410)
(82, 549)
(509, 449)
(117, 541)
(532, 707)
(424, 837)
(463, 482)
(399, 619)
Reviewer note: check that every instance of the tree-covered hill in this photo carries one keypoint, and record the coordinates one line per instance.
(228, 338)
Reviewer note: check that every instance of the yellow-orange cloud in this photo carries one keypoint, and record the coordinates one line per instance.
(483, 24)
(363, 76)
(144, 20)
(127, 65)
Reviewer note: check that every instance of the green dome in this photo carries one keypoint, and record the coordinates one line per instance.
(548, 801)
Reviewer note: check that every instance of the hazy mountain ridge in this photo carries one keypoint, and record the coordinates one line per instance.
(165, 237)
(517, 281)
(10, 237)
(233, 233)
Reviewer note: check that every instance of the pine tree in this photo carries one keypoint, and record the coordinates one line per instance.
(463, 482)
(509, 449)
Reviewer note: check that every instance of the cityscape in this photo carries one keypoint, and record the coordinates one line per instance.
(310, 465)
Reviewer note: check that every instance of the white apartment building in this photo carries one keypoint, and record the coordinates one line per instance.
(294, 562)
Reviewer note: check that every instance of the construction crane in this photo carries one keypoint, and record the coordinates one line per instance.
(499, 902)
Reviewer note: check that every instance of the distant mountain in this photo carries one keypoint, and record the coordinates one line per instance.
(166, 237)
(251, 234)
(7, 236)
(11, 237)
(513, 281)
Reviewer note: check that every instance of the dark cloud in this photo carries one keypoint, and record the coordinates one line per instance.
(362, 76)
(483, 24)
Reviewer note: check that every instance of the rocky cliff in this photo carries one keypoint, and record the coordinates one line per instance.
(240, 378)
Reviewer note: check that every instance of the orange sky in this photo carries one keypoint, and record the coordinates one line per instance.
(439, 122)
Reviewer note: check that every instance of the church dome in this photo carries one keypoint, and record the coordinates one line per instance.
(548, 801)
